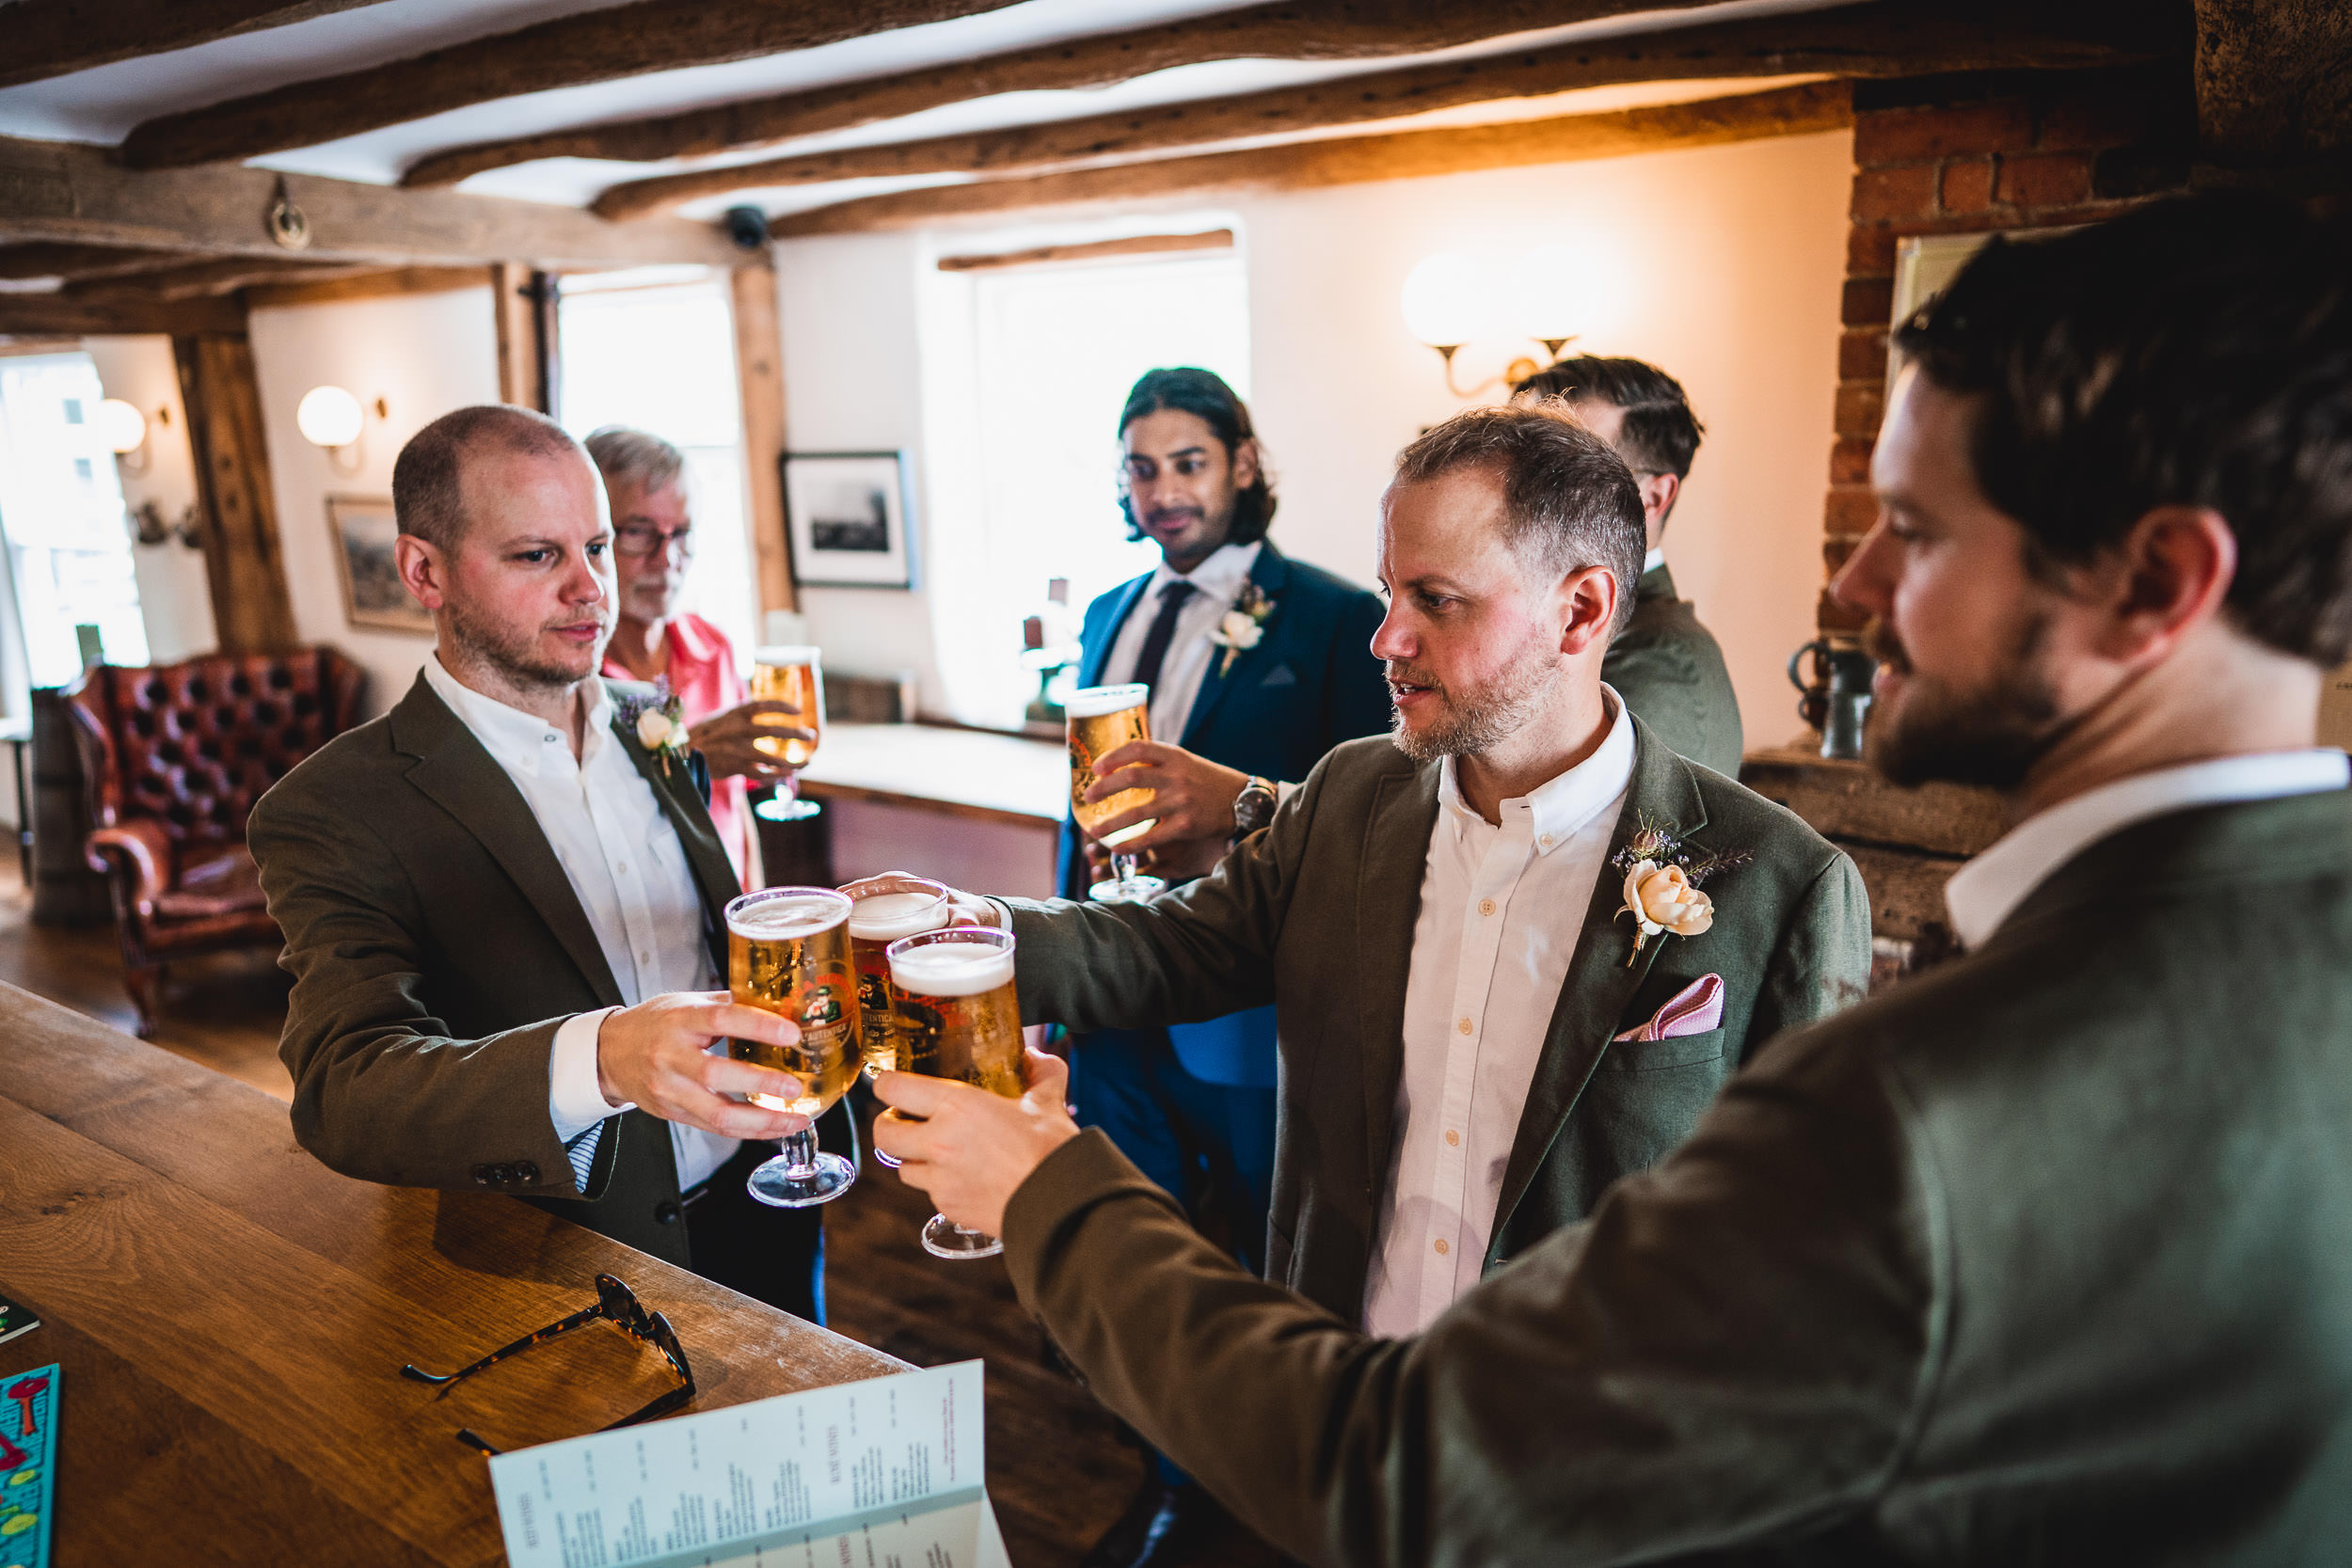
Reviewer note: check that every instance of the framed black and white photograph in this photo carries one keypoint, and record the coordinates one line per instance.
(848, 515)
(364, 528)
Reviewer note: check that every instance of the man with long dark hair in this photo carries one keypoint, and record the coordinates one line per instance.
(1258, 665)
(2039, 1257)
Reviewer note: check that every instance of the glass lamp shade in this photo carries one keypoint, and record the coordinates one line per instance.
(121, 425)
(1448, 299)
(328, 417)
(1549, 294)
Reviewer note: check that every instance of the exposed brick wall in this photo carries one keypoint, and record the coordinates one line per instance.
(1965, 154)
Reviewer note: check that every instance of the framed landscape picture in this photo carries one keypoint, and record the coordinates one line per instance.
(848, 515)
(364, 529)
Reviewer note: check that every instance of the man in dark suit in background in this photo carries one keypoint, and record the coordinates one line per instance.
(502, 913)
(1664, 664)
(2035, 1258)
(1258, 666)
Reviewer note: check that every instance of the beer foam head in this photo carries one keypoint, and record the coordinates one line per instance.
(1092, 702)
(951, 967)
(787, 915)
(888, 916)
(784, 653)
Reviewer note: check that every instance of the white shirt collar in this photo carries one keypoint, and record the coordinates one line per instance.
(1986, 891)
(519, 741)
(1560, 806)
(1219, 578)
(1651, 561)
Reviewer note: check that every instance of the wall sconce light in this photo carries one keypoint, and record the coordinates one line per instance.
(331, 417)
(1449, 299)
(124, 428)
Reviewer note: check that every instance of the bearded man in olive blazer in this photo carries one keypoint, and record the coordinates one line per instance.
(1664, 663)
(502, 915)
(2039, 1258)
(1440, 919)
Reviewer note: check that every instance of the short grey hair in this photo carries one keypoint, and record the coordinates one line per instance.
(1568, 501)
(623, 455)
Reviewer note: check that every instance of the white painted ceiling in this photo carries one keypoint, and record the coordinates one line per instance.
(101, 105)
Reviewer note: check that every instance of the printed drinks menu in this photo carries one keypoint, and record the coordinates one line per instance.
(28, 1461)
(888, 1472)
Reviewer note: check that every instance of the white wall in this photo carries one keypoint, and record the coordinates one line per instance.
(174, 599)
(423, 354)
(1725, 267)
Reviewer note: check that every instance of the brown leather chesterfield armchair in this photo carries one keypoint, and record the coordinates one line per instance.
(176, 755)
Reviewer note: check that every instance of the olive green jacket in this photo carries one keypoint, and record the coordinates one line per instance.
(1316, 914)
(1671, 674)
(436, 946)
(2044, 1257)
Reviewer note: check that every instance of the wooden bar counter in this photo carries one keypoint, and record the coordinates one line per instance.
(232, 1316)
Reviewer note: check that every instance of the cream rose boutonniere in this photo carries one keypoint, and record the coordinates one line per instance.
(660, 724)
(1661, 885)
(1242, 627)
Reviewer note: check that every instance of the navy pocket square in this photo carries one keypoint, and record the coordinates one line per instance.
(1282, 675)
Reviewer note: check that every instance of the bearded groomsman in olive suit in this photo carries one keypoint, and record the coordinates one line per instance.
(502, 913)
(1439, 917)
(1666, 665)
(2039, 1258)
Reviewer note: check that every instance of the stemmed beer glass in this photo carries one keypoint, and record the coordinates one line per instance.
(961, 1019)
(789, 954)
(886, 907)
(1102, 719)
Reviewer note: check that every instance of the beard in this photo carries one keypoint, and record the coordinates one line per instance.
(1475, 721)
(516, 654)
(1992, 735)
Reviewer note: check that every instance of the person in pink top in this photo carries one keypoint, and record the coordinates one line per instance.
(653, 543)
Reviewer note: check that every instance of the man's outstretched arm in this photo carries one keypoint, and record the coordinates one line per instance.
(1730, 1350)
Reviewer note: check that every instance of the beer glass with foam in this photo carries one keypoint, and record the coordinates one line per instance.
(1102, 719)
(789, 954)
(963, 1022)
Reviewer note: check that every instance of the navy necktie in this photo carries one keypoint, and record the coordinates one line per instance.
(1163, 632)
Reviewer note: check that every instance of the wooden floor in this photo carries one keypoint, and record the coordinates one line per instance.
(1060, 1468)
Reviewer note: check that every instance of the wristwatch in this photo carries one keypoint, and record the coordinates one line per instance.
(1253, 808)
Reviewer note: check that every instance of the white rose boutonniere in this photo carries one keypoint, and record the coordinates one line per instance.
(1661, 885)
(660, 724)
(1242, 627)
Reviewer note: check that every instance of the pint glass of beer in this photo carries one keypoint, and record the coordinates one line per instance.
(795, 675)
(1102, 719)
(789, 954)
(886, 907)
(962, 1020)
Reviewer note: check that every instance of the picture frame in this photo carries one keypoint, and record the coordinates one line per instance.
(362, 529)
(849, 517)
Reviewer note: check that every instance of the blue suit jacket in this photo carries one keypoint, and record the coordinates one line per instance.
(1311, 683)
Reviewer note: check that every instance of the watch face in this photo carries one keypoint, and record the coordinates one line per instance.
(1254, 808)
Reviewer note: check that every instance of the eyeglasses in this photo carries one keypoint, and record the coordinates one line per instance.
(617, 1305)
(637, 541)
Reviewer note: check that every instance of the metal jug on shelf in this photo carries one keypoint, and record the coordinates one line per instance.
(1837, 700)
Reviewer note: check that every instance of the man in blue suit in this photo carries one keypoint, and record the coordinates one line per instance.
(1258, 666)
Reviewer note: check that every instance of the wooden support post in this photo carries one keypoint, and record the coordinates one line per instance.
(524, 302)
(243, 562)
(759, 370)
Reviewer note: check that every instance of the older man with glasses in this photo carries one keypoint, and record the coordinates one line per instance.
(653, 543)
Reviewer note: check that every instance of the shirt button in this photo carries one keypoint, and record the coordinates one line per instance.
(1464, 1026)
(1485, 906)
(1453, 1138)
(1442, 1248)
(1547, 841)
(621, 866)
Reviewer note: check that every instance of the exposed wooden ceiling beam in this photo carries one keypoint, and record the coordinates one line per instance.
(46, 258)
(41, 39)
(373, 285)
(68, 193)
(1281, 30)
(572, 51)
(1883, 38)
(1093, 250)
(48, 314)
(1355, 159)
(205, 280)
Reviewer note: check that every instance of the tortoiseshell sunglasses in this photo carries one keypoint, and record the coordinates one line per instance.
(617, 1305)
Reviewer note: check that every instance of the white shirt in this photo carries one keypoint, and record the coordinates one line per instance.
(1985, 891)
(1654, 560)
(1218, 583)
(629, 872)
(1501, 909)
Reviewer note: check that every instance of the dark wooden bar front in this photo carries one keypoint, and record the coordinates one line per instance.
(231, 1315)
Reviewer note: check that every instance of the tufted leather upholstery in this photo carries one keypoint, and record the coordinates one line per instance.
(176, 755)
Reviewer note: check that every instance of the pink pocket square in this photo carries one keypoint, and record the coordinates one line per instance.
(1695, 1008)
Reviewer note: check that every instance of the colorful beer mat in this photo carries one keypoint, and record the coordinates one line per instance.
(28, 1462)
